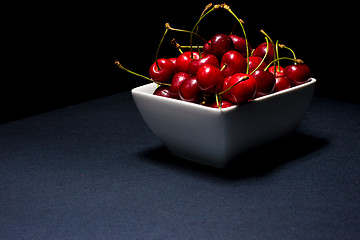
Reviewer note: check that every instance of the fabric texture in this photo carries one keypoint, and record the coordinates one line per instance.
(95, 171)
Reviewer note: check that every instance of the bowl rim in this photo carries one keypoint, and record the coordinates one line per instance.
(137, 90)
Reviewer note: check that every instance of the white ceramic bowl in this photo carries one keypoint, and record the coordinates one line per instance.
(215, 136)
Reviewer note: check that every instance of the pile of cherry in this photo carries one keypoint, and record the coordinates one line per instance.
(226, 72)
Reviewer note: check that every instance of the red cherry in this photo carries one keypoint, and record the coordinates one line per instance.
(189, 90)
(165, 73)
(210, 78)
(176, 82)
(240, 44)
(265, 82)
(278, 72)
(224, 104)
(206, 48)
(254, 61)
(235, 63)
(261, 50)
(173, 60)
(297, 74)
(196, 63)
(241, 92)
(219, 44)
(162, 91)
(183, 61)
(226, 86)
(281, 83)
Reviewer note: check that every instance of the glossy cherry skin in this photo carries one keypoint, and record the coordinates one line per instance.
(240, 44)
(224, 104)
(242, 92)
(297, 74)
(281, 83)
(219, 44)
(176, 82)
(265, 82)
(254, 61)
(261, 50)
(225, 86)
(162, 91)
(278, 72)
(189, 90)
(182, 62)
(235, 63)
(173, 60)
(196, 63)
(206, 48)
(166, 72)
(210, 78)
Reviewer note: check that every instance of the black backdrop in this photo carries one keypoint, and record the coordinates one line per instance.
(59, 54)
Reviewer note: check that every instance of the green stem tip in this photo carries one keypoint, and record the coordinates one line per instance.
(118, 64)
(296, 61)
(241, 80)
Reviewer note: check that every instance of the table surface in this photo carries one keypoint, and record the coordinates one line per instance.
(95, 171)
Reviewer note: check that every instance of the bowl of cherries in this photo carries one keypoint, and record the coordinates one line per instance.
(212, 102)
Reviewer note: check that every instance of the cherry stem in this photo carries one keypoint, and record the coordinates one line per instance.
(273, 45)
(241, 80)
(190, 46)
(117, 63)
(158, 49)
(206, 8)
(252, 52)
(226, 7)
(266, 35)
(277, 56)
(204, 13)
(218, 100)
(293, 53)
(223, 67)
(284, 58)
(233, 28)
(167, 25)
(263, 59)
(197, 28)
(177, 45)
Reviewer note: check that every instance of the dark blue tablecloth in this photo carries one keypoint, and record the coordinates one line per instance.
(95, 171)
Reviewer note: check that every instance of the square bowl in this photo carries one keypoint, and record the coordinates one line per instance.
(213, 136)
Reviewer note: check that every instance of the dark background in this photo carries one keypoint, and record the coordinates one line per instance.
(59, 54)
